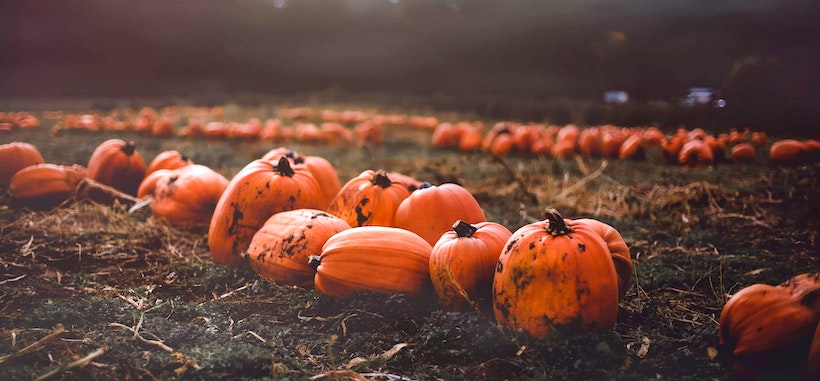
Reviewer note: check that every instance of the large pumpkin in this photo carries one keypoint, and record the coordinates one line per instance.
(280, 250)
(44, 186)
(261, 189)
(117, 163)
(371, 198)
(14, 157)
(770, 328)
(373, 258)
(431, 210)
(618, 250)
(552, 273)
(185, 197)
(462, 265)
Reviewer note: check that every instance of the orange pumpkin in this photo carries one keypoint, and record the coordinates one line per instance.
(258, 191)
(555, 272)
(631, 148)
(470, 139)
(743, 153)
(185, 197)
(44, 186)
(430, 210)
(770, 328)
(14, 157)
(446, 135)
(814, 355)
(787, 151)
(695, 153)
(321, 169)
(373, 258)
(280, 250)
(563, 149)
(589, 142)
(371, 198)
(170, 159)
(117, 163)
(462, 265)
(617, 249)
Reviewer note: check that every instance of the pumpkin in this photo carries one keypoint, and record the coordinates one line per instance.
(378, 259)
(470, 139)
(502, 144)
(185, 197)
(280, 250)
(371, 198)
(258, 191)
(787, 151)
(631, 148)
(563, 149)
(14, 157)
(768, 327)
(170, 159)
(617, 249)
(44, 186)
(695, 153)
(117, 163)
(611, 143)
(369, 131)
(462, 265)
(430, 210)
(446, 135)
(409, 182)
(670, 148)
(814, 355)
(555, 272)
(589, 141)
(321, 169)
(743, 153)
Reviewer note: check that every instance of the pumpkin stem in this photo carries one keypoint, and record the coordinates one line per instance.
(129, 148)
(314, 261)
(556, 226)
(184, 157)
(284, 168)
(425, 185)
(381, 179)
(464, 229)
(297, 158)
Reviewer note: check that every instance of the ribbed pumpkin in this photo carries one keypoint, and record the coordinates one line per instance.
(371, 198)
(618, 249)
(117, 163)
(258, 191)
(373, 258)
(15, 156)
(770, 328)
(462, 265)
(170, 159)
(44, 186)
(185, 197)
(280, 250)
(430, 210)
(552, 273)
(322, 170)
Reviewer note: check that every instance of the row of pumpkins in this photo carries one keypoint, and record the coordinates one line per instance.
(290, 219)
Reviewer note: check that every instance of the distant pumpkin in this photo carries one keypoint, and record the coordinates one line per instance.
(118, 164)
(14, 157)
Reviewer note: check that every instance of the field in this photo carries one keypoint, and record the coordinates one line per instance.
(93, 292)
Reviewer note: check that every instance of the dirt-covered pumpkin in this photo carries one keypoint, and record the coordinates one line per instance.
(371, 198)
(15, 156)
(281, 249)
(185, 197)
(44, 186)
(462, 265)
(555, 272)
(261, 189)
(618, 250)
(768, 329)
(117, 163)
(170, 159)
(323, 171)
(373, 258)
(431, 210)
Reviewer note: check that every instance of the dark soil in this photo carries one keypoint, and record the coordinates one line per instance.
(144, 301)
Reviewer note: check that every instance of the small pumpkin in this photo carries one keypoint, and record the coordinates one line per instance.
(280, 250)
(170, 159)
(462, 264)
(430, 210)
(555, 272)
(15, 156)
(631, 148)
(371, 198)
(378, 259)
(743, 153)
(322, 170)
(787, 151)
(44, 186)
(118, 164)
(258, 191)
(186, 197)
(695, 153)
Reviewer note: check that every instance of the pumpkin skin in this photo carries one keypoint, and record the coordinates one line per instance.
(170, 159)
(258, 191)
(430, 210)
(814, 355)
(631, 148)
(618, 249)
(462, 265)
(787, 151)
(743, 153)
(117, 163)
(555, 272)
(322, 170)
(186, 197)
(695, 153)
(371, 198)
(280, 250)
(44, 186)
(15, 156)
(379, 259)
(770, 327)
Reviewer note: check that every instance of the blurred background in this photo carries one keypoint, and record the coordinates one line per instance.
(760, 58)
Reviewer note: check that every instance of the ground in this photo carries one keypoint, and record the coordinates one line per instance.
(95, 292)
